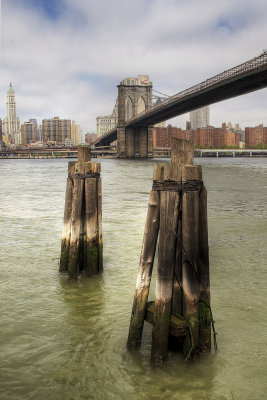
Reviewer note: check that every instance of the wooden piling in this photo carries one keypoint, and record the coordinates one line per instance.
(81, 247)
(144, 272)
(84, 154)
(177, 292)
(76, 242)
(204, 276)
(166, 255)
(99, 223)
(65, 242)
(182, 301)
(182, 152)
(91, 265)
(190, 240)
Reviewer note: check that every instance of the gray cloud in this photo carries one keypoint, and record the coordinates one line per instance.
(70, 65)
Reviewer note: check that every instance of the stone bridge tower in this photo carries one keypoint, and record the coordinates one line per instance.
(134, 96)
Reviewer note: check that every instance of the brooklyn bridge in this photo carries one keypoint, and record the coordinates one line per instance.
(137, 115)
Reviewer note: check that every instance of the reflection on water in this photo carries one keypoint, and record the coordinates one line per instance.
(64, 339)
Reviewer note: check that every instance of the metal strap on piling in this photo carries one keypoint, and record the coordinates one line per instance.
(174, 186)
(84, 176)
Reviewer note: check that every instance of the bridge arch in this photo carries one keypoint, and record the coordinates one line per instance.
(129, 108)
(141, 105)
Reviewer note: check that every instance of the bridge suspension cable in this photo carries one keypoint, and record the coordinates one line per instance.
(158, 98)
(166, 95)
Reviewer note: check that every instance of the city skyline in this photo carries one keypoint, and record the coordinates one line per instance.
(80, 54)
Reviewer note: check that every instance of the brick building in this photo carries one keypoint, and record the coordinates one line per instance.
(90, 137)
(255, 136)
(28, 133)
(202, 137)
(215, 137)
(162, 136)
(56, 130)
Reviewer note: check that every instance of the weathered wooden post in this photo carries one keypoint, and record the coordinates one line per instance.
(81, 245)
(145, 272)
(177, 218)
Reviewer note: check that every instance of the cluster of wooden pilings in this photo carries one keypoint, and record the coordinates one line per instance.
(81, 245)
(177, 220)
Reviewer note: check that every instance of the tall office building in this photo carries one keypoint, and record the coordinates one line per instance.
(36, 129)
(28, 133)
(11, 124)
(199, 118)
(76, 134)
(107, 122)
(57, 131)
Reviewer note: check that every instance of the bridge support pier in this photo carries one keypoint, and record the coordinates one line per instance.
(135, 142)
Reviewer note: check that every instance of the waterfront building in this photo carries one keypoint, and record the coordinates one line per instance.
(107, 122)
(38, 131)
(2, 145)
(255, 136)
(28, 133)
(209, 137)
(76, 134)
(11, 124)
(6, 139)
(188, 126)
(56, 131)
(199, 118)
(162, 136)
(236, 128)
(90, 137)
(34, 121)
(212, 137)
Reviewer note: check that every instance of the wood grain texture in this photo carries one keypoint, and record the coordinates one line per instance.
(144, 272)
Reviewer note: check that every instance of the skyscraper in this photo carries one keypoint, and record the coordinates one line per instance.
(200, 118)
(56, 130)
(11, 124)
(28, 133)
(76, 134)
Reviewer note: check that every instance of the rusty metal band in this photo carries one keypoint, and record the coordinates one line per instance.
(85, 176)
(174, 186)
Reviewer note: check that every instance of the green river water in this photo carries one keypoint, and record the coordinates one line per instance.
(62, 339)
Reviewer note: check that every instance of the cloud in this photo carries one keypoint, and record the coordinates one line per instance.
(66, 58)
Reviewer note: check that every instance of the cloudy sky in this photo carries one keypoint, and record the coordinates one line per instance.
(65, 57)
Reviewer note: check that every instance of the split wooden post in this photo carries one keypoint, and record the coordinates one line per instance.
(145, 266)
(76, 240)
(204, 275)
(92, 246)
(190, 240)
(65, 242)
(169, 202)
(81, 247)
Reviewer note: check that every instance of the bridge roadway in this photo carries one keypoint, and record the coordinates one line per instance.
(242, 79)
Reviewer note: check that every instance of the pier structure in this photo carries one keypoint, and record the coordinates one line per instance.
(81, 245)
(177, 221)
